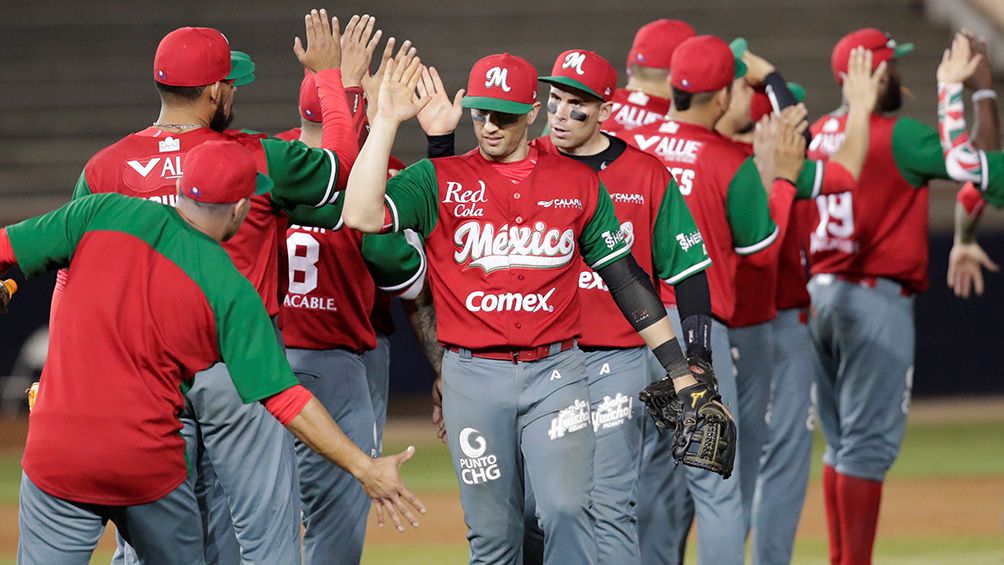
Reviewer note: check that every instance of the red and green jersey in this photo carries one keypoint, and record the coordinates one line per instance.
(147, 164)
(723, 190)
(333, 276)
(149, 302)
(503, 255)
(878, 229)
(633, 109)
(658, 227)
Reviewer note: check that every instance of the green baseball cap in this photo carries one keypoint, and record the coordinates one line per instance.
(241, 68)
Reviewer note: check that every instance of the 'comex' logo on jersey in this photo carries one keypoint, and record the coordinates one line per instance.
(574, 60)
(497, 76)
(475, 466)
(480, 301)
(512, 247)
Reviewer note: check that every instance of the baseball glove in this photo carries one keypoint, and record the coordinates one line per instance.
(705, 433)
(661, 400)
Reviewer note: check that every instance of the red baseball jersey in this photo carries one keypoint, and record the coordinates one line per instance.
(105, 428)
(634, 108)
(147, 164)
(502, 254)
(658, 227)
(723, 190)
(880, 228)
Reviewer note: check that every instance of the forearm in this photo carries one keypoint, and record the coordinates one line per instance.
(422, 317)
(782, 97)
(693, 299)
(852, 153)
(364, 195)
(356, 100)
(441, 145)
(963, 161)
(337, 133)
(966, 223)
(315, 428)
(986, 125)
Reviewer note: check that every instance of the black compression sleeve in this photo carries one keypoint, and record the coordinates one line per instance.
(781, 96)
(441, 145)
(632, 290)
(694, 302)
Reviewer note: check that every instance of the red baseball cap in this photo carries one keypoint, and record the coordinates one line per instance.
(656, 41)
(310, 102)
(197, 56)
(881, 44)
(586, 71)
(705, 63)
(221, 172)
(502, 83)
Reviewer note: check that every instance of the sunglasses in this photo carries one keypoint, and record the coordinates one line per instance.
(500, 119)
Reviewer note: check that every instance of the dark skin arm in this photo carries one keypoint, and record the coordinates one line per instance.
(986, 122)
(422, 317)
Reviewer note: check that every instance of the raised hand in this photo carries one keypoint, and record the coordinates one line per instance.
(440, 116)
(324, 42)
(958, 63)
(382, 483)
(983, 77)
(358, 44)
(398, 100)
(757, 68)
(789, 149)
(966, 262)
(371, 82)
(861, 85)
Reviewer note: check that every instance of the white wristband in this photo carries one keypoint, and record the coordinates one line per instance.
(984, 94)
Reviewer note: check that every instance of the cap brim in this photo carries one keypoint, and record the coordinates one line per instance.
(740, 69)
(241, 68)
(571, 83)
(495, 104)
(797, 90)
(901, 50)
(263, 184)
(739, 46)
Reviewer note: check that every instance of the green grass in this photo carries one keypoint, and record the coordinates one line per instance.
(930, 451)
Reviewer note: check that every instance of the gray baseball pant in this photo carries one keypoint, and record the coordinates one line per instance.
(784, 466)
(716, 502)
(753, 359)
(335, 506)
(55, 531)
(378, 375)
(616, 376)
(865, 340)
(504, 418)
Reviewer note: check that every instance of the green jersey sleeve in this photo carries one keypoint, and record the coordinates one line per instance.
(394, 263)
(916, 150)
(327, 217)
(249, 345)
(302, 175)
(602, 240)
(81, 189)
(413, 198)
(992, 186)
(47, 242)
(678, 250)
(748, 214)
(809, 181)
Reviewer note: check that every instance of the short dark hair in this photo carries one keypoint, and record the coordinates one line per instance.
(214, 208)
(683, 100)
(649, 73)
(180, 93)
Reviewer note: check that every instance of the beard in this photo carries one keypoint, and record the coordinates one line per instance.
(221, 119)
(892, 99)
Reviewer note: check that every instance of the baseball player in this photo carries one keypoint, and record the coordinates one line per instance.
(191, 69)
(969, 159)
(868, 257)
(501, 238)
(655, 219)
(333, 277)
(169, 304)
(646, 98)
(724, 192)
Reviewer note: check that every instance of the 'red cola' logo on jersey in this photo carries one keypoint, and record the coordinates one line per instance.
(483, 246)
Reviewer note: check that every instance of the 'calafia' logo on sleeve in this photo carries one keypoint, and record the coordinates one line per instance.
(512, 247)
(497, 76)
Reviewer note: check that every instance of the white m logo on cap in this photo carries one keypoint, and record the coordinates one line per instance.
(574, 60)
(497, 76)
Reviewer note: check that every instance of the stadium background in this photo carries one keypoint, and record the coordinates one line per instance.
(76, 76)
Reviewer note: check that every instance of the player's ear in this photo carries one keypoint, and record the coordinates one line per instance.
(532, 114)
(606, 109)
(215, 91)
(724, 98)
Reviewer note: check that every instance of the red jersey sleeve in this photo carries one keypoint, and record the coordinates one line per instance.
(287, 404)
(7, 259)
(337, 132)
(971, 199)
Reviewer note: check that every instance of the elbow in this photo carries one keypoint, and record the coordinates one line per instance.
(366, 223)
